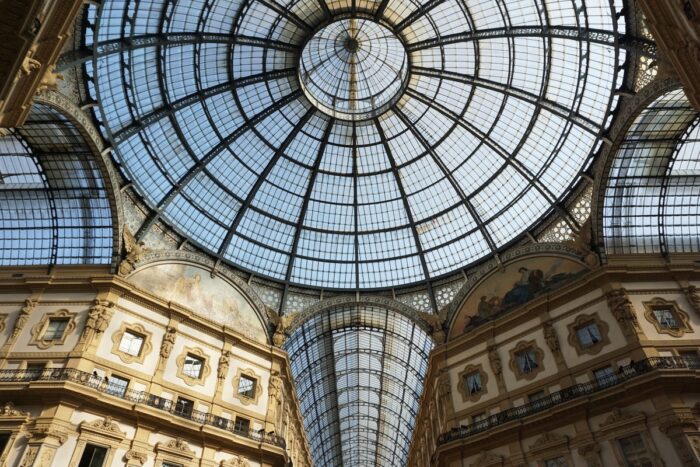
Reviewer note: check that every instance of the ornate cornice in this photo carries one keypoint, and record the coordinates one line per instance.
(104, 427)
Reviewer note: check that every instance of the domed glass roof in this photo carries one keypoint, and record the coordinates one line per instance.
(353, 143)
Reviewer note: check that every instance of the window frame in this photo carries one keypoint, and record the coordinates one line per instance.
(680, 316)
(38, 331)
(133, 328)
(250, 374)
(537, 353)
(195, 353)
(463, 387)
(581, 321)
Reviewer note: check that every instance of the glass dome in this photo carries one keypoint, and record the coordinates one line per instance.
(354, 144)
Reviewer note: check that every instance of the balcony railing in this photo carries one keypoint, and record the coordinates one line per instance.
(139, 397)
(626, 373)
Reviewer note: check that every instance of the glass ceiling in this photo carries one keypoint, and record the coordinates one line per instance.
(354, 143)
(359, 374)
(652, 191)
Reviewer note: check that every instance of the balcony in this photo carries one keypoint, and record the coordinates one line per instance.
(138, 397)
(634, 370)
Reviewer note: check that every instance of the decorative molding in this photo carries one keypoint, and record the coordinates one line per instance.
(487, 459)
(38, 330)
(9, 411)
(692, 293)
(549, 441)
(258, 387)
(523, 346)
(135, 328)
(550, 337)
(237, 461)
(467, 396)
(206, 368)
(105, 427)
(582, 320)
(680, 316)
(618, 419)
(222, 368)
(623, 311)
(140, 458)
(3, 320)
(176, 447)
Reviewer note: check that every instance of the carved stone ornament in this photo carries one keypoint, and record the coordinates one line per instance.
(582, 243)
(591, 454)
(9, 410)
(132, 455)
(177, 447)
(436, 323)
(550, 336)
(692, 293)
(549, 440)
(23, 316)
(29, 456)
(168, 342)
(495, 361)
(619, 418)
(222, 369)
(49, 432)
(623, 310)
(282, 325)
(3, 319)
(237, 461)
(133, 253)
(103, 426)
(487, 459)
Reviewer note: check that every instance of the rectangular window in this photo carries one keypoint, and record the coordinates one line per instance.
(117, 386)
(473, 382)
(193, 366)
(555, 462)
(605, 376)
(184, 407)
(246, 386)
(588, 335)
(666, 318)
(527, 360)
(131, 343)
(634, 451)
(93, 456)
(242, 425)
(55, 329)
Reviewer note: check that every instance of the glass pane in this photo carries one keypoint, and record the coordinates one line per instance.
(193, 366)
(131, 343)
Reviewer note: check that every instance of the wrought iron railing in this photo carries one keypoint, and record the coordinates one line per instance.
(102, 385)
(626, 373)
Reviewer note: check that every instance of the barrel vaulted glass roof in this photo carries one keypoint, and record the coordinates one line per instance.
(359, 374)
(284, 140)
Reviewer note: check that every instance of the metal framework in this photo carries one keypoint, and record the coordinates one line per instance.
(359, 373)
(466, 123)
(501, 111)
(652, 191)
(54, 207)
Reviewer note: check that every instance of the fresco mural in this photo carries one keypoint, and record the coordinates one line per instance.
(518, 283)
(195, 289)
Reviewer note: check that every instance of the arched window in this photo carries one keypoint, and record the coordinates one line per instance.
(54, 208)
(652, 191)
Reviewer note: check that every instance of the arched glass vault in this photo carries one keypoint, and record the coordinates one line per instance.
(448, 156)
(359, 373)
(652, 191)
(54, 205)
